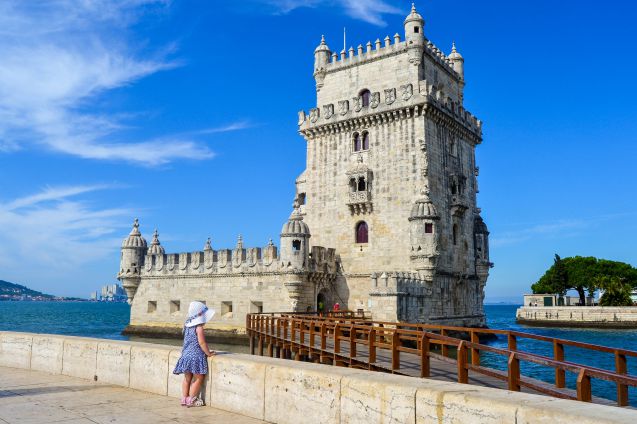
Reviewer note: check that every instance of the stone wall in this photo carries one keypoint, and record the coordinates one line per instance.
(281, 391)
(579, 316)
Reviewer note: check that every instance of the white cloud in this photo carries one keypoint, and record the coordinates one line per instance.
(560, 228)
(371, 11)
(51, 234)
(58, 56)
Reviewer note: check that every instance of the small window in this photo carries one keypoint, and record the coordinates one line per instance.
(296, 245)
(455, 234)
(226, 308)
(256, 307)
(362, 186)
(365, 140)
(175, 306)
(152, 306)
(301, 198)
(454, 188)
(362, 232)
(429, 228)
(416, 30)
(357, 142)
(352, 185)
(365, 94)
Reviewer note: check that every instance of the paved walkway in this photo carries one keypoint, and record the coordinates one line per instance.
(34, 397)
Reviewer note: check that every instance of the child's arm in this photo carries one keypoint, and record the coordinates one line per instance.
(202, 341)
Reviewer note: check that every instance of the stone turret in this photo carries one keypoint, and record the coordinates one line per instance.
(457, 61)
(424, 230)
(321, 60)
(155, 246)
(295, 238)
(134, 249)
(415, 35)
(481, 240)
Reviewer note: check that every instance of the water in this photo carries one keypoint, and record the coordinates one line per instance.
(107, 320)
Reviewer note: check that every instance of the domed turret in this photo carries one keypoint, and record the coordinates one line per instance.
(481, 238)
(415, 36)
(295, 226)
(414, 27)
(424, 235)
(155, 246)
(134, 239)
(321, 60)
(423, 208)
(134, 249)
(295, 237)
(457, 61)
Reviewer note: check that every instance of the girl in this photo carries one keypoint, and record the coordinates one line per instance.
(193, 362)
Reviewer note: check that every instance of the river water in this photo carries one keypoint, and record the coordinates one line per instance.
(107, 320)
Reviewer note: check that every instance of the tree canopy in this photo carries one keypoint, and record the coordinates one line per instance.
(586, 274)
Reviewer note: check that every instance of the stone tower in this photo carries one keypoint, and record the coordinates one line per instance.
(391, 179)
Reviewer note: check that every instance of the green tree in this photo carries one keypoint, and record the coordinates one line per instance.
(583, 274)
(616, 291)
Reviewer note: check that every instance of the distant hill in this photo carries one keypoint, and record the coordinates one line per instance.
(13, 290)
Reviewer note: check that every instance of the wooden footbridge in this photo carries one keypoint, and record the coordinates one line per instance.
(432, 351)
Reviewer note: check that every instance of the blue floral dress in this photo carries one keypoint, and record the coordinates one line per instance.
(193, 359)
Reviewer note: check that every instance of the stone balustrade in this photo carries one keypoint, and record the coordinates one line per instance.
(282, 391)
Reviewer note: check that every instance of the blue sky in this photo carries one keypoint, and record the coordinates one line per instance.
(183, 114)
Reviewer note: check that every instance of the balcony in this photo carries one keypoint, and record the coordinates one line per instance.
(360, 202)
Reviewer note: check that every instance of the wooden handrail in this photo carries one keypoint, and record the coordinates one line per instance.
(350, 330)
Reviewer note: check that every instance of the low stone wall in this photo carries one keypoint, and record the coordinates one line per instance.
(282, 391)
(579, 316)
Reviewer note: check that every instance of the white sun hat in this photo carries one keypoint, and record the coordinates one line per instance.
(198, 313)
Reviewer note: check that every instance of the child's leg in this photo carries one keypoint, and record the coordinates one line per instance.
(185, 386)
(195, 388)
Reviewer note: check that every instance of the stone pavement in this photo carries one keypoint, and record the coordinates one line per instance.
(35, 397)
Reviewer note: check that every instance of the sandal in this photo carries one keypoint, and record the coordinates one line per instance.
(195, 401)
(184, 401)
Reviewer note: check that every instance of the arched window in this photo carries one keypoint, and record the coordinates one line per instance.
(362, 232)
(365, 140)
(352, 184)
(357, 142)
(365, 94)
(361, 184)
(296, 245)
(455, 234)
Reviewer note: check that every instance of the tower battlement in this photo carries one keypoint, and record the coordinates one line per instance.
(393, 103)
(388, 47)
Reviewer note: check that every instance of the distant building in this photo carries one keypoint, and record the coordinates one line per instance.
(542, 300)
(110, 293)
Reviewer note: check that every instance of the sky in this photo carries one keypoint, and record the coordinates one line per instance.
(183, 114)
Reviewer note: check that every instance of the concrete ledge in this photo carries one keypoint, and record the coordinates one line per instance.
(49, 352)
(113, 363)
(15, 350)
(80, 357)
(302, 392)
(149, 368)
(238, 382)
(283, 391)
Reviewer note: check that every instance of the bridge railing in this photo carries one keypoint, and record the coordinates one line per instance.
(340, 336)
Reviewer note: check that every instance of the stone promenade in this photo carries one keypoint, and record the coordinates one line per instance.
(36, 397)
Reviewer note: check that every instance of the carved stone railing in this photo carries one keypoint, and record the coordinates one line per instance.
(360, 202)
